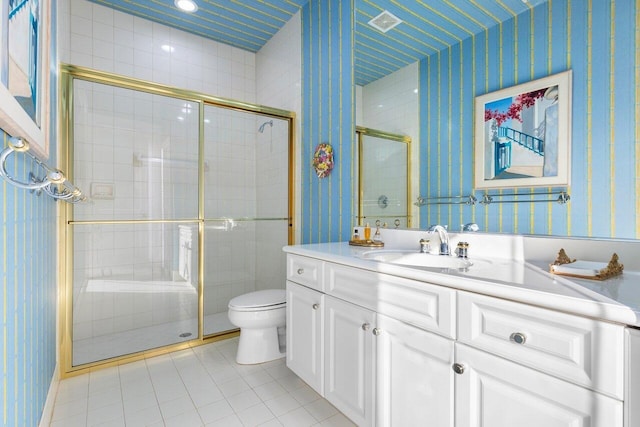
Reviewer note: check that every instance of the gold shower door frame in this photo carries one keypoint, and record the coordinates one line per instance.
(69, 73)
(361, 132)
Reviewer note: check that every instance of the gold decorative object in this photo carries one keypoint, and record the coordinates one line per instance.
(563, 258)
(367, 243)
(613, 268)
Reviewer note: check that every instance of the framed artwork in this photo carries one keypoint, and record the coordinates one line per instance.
(25, 32)
(523, 135)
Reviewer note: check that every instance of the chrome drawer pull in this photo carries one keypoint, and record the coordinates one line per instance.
(300, 270)
(315, 306)
(518, 338)
(365, 326)
(458, 368)
(376, 331)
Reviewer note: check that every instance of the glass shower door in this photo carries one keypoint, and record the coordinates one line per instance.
(246, 208)
(135, 243)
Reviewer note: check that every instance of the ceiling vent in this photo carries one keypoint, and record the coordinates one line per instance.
(385, 21)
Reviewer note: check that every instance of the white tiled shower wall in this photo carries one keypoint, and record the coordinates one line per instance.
(279, 84)
(391, 104)
(95, 36)
(98, 37)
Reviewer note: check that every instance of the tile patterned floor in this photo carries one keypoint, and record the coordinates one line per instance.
(202, 386)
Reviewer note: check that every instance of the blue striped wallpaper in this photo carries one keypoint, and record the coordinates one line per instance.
(328, 116)
(27, 298)
(600, 42)
(28, 292)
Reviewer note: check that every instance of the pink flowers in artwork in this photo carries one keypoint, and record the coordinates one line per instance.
(520, 102)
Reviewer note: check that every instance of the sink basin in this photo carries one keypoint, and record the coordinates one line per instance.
(416, 259)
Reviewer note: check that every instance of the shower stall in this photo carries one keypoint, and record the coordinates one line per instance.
(189, 205)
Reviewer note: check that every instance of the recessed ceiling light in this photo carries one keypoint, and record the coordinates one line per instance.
(188, 6)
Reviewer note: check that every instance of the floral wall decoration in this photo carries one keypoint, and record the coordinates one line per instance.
(323, 160)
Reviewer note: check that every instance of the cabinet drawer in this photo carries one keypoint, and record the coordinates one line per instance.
(305, 271)
(426, 306)
(584, 351)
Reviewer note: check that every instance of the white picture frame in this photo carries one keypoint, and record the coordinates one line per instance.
(523, 135)
(24, 85)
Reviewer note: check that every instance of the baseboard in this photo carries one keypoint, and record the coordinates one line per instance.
(47, 411)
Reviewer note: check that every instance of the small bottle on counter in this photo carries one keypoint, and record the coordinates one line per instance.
(356, 236)
(377, 237)
(367, 232)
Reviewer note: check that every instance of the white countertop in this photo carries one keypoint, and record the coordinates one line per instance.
(615, 300)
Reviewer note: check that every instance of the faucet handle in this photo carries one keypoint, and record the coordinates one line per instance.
(462, 250)
(433, 227)
(472, 226)
(424, 246)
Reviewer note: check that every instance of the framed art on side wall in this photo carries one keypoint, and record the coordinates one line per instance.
(523, 135)
(24, 72)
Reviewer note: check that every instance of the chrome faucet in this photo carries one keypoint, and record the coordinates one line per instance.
(444, 238)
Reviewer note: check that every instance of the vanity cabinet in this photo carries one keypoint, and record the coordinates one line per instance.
(414, 381)
(389, 351)
(529, 366)
(305, 334)
(583, 351)
(350, 359)
(330, 346)
(492, 391)
(374, 368)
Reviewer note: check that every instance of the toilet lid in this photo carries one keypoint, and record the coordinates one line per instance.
(266, 298)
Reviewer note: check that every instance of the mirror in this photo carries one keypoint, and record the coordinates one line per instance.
(603, 175)
(387, 119)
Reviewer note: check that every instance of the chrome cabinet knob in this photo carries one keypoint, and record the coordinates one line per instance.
(365, 326)
(458, 368)
(300, 270)
(376, 331)
(315, 306)
(518, 338)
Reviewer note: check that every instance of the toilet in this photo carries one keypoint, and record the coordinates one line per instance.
(259, 315)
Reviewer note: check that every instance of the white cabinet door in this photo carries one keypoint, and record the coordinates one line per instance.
(305, 353)
(414, 376)
(494, 392)
(350, 359)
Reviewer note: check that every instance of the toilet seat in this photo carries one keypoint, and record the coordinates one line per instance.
(269, 299)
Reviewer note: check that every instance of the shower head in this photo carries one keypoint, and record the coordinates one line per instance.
(262, 126)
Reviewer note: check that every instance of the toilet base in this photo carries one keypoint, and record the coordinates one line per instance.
(258, 346)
